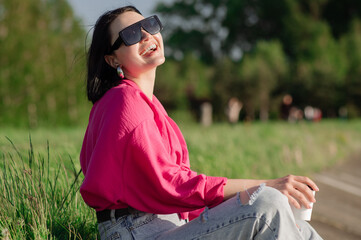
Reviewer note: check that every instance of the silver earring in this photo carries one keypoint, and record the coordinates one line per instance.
(120, 72)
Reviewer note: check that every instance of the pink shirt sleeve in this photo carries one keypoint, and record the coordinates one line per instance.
(157, 183)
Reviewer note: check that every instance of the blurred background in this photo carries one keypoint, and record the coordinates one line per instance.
(227, 60)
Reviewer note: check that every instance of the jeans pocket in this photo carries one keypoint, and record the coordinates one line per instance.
(112, 231)
(114, 236)
(152, 229)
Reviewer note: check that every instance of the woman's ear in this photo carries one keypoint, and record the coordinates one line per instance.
(111, 60)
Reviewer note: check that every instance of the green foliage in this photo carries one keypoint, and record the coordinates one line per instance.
(169, 86)
(179, 82)
(226, 84)
(314, 37)
(260, 73)
(320, 66)
(350, 44)
(191, 28)
(196, 76)
(41, 63)
(341, 14)
(253, 80)
(253, 50)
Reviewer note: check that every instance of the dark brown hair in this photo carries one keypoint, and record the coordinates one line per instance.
(102, 77)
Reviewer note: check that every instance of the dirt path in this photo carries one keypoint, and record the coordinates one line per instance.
(337, 213)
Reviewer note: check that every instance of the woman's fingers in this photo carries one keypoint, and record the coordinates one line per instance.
(311, 184)
(305, 191)
(298, 189)
(302, 195)
(292, 200)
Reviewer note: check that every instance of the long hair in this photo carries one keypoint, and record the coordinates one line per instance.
(102, 77)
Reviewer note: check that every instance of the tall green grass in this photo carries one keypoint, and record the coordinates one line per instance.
(39, 201)
(40, 176)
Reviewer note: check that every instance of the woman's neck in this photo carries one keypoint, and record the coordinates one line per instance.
(145, 82)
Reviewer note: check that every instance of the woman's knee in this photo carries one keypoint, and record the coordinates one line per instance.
(275, 196)
(270, 199)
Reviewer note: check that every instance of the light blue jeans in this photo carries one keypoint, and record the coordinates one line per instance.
(266, 216)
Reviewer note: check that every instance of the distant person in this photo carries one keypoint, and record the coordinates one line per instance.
(317, 115)
(313, 114)
(233, 109)
(295, 115)
(286, 107)
(135, 160)
(343, 112)
(206, 110)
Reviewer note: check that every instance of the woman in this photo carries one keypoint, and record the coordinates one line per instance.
(135, 160)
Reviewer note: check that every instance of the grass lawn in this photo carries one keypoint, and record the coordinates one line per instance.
(39, 181)
(271, 150)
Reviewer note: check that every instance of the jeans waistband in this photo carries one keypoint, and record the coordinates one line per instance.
(107, 214)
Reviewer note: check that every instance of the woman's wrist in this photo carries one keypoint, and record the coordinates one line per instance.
(234, 186)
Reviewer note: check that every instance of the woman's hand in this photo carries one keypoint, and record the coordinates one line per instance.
(297, 189)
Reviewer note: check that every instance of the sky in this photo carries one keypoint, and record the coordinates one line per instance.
(89, 10)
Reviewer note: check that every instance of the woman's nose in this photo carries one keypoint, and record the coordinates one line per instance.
(145, 35)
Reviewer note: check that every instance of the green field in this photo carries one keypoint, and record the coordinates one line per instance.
(39, 178)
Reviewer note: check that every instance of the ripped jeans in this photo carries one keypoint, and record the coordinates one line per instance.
(267, 216)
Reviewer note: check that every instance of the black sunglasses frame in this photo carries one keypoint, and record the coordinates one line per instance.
(135, 26)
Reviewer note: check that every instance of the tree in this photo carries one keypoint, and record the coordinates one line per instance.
(319, 65)
(226, 84)
(308, 31)
(340, 15)
(260, 72)
(350, 44)
(213, 29)
(169, 85)
(41, 61)
(192, 26)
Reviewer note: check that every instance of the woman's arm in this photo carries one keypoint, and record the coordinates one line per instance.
(295, 188)
(234, 186)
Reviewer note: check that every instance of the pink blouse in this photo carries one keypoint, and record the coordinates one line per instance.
(134, 155)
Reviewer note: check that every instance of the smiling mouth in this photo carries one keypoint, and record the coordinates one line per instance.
(152, 47)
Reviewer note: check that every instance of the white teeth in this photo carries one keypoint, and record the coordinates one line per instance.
(151, 47)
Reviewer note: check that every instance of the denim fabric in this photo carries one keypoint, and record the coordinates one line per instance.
(138, 225)
(266, 216)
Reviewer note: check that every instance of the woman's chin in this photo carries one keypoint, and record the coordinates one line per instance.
(155, 62)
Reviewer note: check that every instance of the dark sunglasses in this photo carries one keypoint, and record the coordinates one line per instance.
(133, 33)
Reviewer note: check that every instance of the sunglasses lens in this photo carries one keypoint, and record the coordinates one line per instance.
(131, 35)
(151, 25)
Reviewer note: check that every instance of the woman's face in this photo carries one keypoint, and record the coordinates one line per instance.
(136, 59)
